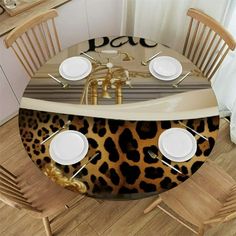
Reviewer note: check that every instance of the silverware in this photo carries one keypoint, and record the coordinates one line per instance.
(53, 134)
(154, 156)
(64, 85)
(144, 63)
(90, 57)
(194, 131)
(82, 167)
(176, 85)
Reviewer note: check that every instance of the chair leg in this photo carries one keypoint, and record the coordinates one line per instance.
(47, 226)
(152, 205)
(201, 231)
(227, 119)
(203, 228)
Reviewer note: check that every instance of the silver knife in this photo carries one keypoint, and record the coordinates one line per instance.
(182, 79)
(150, 58)
(82, 167)
(194, 131)
(53, 134)
(90, 57)
(154, 156)
(64, 85)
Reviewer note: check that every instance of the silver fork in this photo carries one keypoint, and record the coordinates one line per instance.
(59, 130)
(144, 63)
(154, 156)
(194, 131)
(82, 167)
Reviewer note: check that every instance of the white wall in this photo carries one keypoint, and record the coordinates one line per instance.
(84, 19)
(104, 17)
(72, 23)
(8, 102)
(78, 20)
(13, 69)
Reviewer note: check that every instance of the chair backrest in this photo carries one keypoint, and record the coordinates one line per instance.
(207, 42)
(35, 41)
(227, 211)
(11, 193)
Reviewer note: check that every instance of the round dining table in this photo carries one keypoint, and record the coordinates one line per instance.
(121, 136)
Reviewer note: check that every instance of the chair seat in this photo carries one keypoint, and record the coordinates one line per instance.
(37, 187)
(25, 187)
(47, 196)
(41, 191)
(200, 197)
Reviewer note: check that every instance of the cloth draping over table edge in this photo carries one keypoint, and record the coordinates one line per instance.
(233, 123)
(224, 86)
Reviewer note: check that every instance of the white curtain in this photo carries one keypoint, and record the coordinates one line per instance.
(224, 83)
(233, 124)
(165, 21)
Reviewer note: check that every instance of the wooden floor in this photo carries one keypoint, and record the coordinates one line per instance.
(91, 218)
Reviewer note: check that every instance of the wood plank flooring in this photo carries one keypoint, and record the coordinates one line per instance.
(108, 218)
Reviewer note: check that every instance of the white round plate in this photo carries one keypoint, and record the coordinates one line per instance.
(165, 68)
(68, 147)
(177, 144)
(75, 68)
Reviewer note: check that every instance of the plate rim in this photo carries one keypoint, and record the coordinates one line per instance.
(75, 78)
(171, 59)
(164, 78)
(64, 162)
(172, 158)
(75, 58)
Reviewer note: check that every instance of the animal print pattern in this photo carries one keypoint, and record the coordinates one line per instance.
(123, 169)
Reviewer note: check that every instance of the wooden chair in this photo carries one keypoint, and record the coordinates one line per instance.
(40, 198)
(207, 42)
(35, 41)
(206, 199)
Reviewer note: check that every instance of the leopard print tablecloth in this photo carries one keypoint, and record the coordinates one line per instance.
(123, 169)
